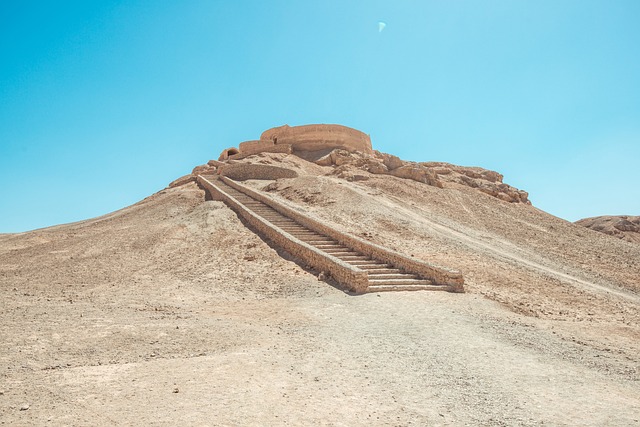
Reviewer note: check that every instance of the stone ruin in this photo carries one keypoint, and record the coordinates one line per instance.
(351, 156)
(302, 141)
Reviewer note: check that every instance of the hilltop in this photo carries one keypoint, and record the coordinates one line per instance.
(173, 311)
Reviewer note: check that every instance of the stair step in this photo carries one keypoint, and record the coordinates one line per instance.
(370, 266)
(399, 282)
(340, 252)
(353, 257)
(385, 270)
(393, 276)
(395, 288)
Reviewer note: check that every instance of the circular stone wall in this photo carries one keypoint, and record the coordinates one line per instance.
(319, 137)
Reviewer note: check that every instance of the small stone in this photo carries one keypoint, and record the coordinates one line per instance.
(176, 390)
(322, 275)
(24, 407)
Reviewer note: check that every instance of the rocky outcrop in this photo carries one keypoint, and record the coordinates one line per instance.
(348, 164)
(203, 170)
(228, 153)
(622, 226)
(487, 181)
(350, 152)
(182, 181)
(416, 172)
(208, 169)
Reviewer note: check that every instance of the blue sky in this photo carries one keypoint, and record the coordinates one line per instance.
(105, 103)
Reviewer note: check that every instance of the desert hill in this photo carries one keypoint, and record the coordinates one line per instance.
(173, 311)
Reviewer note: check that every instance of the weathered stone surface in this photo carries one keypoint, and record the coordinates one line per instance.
(349, 173)
(622, 226)
(343, 157)
(319, 137)
(244, 171)
(375, 167)
(182, 180)
(487, 181)
(227, 152)
(203, 170)
(303, 139)
(391, 162)
(325, 160)
(418, 173)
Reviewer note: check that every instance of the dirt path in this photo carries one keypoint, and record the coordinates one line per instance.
(505, 250)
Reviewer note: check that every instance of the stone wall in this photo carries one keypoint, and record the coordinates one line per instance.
(354, 278)
(308, 138)
(439, 275)
(319, 137)
(244, 171)
(266, 148)
(227, 152)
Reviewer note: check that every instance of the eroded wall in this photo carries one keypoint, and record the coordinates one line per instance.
(319, 137)
(308, 138)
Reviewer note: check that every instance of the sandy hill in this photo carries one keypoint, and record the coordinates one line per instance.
(173, 312)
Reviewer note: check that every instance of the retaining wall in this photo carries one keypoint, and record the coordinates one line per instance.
(352, 277)
(439, 275)
(244, 171)
(270, 148)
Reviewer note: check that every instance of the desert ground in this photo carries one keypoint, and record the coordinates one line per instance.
(173, 312)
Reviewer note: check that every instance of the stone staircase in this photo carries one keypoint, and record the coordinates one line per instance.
(380, 275)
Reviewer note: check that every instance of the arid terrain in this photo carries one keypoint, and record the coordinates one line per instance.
(173, 312)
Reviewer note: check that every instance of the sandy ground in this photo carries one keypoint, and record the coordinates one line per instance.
(172, 312)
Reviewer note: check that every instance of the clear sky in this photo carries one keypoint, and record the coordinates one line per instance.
(103, 103)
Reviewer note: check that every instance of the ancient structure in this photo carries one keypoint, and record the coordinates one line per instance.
(302, 139)
(346, 153)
